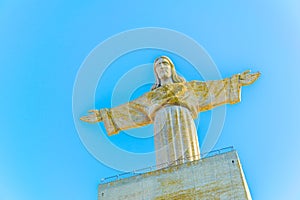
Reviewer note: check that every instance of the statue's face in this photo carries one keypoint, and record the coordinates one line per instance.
(163, 69)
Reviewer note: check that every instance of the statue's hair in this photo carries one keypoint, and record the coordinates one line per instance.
(175, 77)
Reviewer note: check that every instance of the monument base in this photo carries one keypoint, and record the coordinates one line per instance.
(217, 177)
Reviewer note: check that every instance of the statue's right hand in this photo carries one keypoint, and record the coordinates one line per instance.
(94, 116)
(247, 78)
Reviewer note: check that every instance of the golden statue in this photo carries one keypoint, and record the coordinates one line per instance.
(171, 106)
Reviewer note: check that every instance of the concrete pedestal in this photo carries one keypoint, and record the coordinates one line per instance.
(217, 177)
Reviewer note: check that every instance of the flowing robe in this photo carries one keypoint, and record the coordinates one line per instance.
(172, 109)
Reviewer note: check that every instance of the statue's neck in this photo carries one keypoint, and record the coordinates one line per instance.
(166, 81)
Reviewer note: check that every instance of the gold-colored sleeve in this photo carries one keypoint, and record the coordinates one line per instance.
(210, 94)
(129, 115)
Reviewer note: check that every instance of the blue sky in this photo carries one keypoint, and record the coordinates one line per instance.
(43, 44)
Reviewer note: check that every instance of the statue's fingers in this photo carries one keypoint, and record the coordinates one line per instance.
(256, 75)
(92, 119)
(246, 72)
(84, 118)
(92, 111)
(88, 119)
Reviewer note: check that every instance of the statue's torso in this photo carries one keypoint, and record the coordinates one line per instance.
(177, 94)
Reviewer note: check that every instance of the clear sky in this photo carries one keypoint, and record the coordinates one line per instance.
(43, 44)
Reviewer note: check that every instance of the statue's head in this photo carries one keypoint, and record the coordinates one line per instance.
(167, 73)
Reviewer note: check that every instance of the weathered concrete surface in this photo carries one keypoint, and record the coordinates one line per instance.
(218, 177)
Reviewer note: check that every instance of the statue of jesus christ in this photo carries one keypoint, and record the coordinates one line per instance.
(172, 105)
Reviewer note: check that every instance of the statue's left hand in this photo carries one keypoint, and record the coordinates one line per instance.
(247, 78)
(94, 116)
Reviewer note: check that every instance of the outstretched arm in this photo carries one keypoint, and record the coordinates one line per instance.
(214, 93)
(129, 115)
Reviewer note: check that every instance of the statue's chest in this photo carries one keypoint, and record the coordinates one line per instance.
(172, 93)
